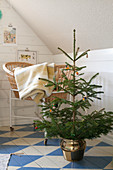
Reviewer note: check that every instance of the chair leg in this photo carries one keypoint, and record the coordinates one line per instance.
(45, 135)
(11, 128)
(34, 126)
(45, 141)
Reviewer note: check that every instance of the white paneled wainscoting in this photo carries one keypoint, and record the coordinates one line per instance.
(26, 38)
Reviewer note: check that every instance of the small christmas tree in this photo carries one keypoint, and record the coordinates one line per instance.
(68, 121)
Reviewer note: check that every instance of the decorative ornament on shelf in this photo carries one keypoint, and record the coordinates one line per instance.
(0, 14)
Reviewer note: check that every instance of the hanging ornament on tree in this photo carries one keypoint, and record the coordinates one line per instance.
(86, 55)
(53, 106)
(77, 73)
(0, 14)
(84, 98)
(36, 127)
(67, 67)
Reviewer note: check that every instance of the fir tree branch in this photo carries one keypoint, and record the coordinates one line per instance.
(95, 86)
(68, 64)
(65, 53)
(80, 68)
(93, 78)
(84, 53)
(77, 51)
(74, 43)
(60, 131)
(91, 117)
(55, 84)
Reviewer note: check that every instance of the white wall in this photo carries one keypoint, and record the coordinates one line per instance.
(98, 61)
(92, 19)
(26, 38)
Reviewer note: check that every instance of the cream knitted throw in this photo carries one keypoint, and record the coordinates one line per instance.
(29, 84)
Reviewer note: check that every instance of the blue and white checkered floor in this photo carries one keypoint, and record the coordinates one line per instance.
(35, 155)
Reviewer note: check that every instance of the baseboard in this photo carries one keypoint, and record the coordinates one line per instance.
(20, 121)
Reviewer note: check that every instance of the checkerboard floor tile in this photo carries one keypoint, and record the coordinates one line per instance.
(30, 153)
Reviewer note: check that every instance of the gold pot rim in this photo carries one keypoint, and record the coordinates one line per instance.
(71, 140)
(75, 142)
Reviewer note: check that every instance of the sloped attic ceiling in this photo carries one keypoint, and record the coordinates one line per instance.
(54, 20)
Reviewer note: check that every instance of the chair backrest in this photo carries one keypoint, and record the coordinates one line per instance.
(9, 69)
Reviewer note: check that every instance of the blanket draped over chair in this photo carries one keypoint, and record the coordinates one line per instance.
(29, 84)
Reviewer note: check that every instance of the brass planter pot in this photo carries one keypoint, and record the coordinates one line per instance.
(73, 150)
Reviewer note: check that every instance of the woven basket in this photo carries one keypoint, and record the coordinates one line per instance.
(9, 69)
